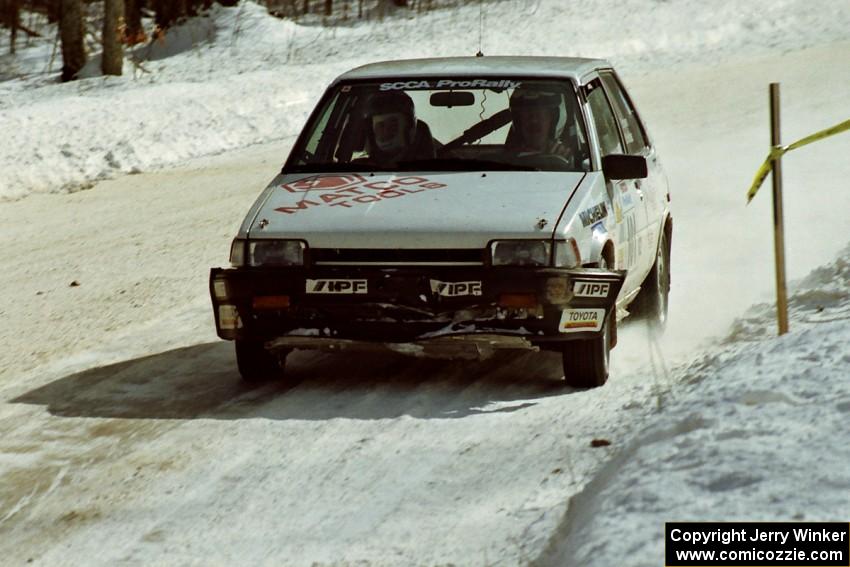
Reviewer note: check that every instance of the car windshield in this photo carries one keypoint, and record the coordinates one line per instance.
(445, 124)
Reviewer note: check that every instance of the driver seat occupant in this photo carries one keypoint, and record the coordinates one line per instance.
(394, 132)
(539, 123)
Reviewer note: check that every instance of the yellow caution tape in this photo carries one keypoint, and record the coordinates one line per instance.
(777, 151)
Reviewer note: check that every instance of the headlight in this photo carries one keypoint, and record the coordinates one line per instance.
(276, 253)
(520, 252)
(535, 253)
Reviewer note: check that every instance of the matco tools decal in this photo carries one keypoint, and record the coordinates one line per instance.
(590, 289)
(581, 320)
(342, 287)
(351, 190)
(455, 289)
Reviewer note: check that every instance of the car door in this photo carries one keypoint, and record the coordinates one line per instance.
(651, 191)
(629, 208)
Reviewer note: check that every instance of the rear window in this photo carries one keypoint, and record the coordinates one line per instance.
(445, 124)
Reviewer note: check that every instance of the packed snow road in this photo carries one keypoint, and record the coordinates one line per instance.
(125, 437)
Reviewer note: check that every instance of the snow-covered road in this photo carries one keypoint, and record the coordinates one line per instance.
(381, 459)
(125, 437)
(133, 427)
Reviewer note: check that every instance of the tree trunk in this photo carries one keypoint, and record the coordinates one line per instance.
(54, 8)
(71, 32)
(180, 9)
(134, 32)
(164, 13)
(11, 17)
(329, 7)
(113, 34)
(14, 8)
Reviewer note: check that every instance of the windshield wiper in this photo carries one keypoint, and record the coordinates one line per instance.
(338, 168)
(462, 164)
(431, 164)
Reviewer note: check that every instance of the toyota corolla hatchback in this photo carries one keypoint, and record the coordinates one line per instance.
(452, 207)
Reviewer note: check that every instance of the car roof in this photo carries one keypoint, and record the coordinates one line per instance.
(501, 66)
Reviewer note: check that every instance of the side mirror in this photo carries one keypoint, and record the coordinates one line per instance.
(620, 166)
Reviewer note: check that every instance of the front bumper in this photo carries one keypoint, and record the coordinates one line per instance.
(540, 306)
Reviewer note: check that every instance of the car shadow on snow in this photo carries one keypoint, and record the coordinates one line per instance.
(202, 382)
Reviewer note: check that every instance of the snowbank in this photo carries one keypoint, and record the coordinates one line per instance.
(238, 76)
(758, 431)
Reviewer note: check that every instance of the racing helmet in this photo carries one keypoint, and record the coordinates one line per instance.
(540, 99)
(392, 121)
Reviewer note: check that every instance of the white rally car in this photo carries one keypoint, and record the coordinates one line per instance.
(452, 207)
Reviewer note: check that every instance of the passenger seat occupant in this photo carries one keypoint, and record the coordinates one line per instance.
(394, 132)
(539, 122)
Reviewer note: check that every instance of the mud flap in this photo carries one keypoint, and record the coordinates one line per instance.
(593, 297)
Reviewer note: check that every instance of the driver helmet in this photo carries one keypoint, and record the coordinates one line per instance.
(527, 101)
(392, 122)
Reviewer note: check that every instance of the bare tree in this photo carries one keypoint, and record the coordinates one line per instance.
(12, 19)
(169, 12)
(134, 32)
(54, 9)
(180, 9)
(113, 35)
(71, 32)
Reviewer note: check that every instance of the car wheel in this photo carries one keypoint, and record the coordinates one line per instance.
(256, 364)
(651, 302)
(586, 361)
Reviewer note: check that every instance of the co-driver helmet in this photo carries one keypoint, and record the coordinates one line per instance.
(392, 121)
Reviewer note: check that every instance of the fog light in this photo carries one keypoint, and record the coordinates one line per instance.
(228, 318)
(271, 302)
(558, 290)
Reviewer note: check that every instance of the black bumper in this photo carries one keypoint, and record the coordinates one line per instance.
(402, 304)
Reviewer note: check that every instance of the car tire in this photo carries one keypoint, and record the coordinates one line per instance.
(256, 364)
(586, 361)
(651, 304)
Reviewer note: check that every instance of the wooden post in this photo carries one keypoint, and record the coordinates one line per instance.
(778, 223)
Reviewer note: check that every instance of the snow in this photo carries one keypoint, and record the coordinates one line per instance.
(121, 418)
(756, 432)
(239, 76)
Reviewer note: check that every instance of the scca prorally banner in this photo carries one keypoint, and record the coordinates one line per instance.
(422, 84)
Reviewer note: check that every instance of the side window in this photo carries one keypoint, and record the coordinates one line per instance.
(603, 118)
(313, 143)
(629, 122)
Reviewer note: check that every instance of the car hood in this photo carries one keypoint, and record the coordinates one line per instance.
(413, 210)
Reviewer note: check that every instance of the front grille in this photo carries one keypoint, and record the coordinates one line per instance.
(393, 257)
